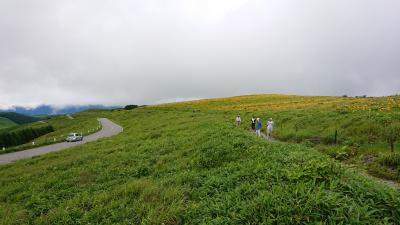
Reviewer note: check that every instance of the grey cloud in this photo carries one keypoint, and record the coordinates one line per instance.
(144, 52)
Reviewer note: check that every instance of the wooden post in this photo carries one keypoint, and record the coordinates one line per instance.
(336, 136)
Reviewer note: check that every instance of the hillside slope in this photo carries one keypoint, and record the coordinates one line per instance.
(277, 102)
(5, 123)
(18, 118)
(357, 120)
(358, 131)
(176, 166)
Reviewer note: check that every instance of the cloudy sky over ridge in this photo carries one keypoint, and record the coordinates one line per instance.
(149, 51)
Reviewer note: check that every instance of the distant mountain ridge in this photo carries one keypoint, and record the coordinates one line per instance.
(50, 110)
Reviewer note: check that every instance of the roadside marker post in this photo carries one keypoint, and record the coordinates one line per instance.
(4, 148)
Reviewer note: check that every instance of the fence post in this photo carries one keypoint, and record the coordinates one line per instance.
(336, 133)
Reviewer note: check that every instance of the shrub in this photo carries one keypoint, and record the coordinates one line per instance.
(342, 153)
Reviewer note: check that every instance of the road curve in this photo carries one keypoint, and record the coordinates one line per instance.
(108, 129)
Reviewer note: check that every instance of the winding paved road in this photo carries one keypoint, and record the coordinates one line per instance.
(108, 129)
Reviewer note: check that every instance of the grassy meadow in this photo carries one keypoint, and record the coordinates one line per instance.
(176, 165)
(354, 130)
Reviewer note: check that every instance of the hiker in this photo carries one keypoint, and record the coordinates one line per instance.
(238, 120)
(253, 123)
(258, 127)
(270, 126)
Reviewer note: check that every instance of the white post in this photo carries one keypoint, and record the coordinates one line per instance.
(55, 139)
(4, 148)
(33, 143)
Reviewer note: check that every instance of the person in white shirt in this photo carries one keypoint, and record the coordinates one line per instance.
(270, 126)
(238, 120)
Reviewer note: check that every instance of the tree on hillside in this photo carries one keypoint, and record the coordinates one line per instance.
(22, 136)
(128, 107)
(391, 134)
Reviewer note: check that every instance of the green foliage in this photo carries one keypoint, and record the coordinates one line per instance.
(340, 153)
(180, 167)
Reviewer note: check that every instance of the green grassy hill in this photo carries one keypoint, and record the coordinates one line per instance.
(359, 126)
(173, 165)
(19, 118)
(5, 123)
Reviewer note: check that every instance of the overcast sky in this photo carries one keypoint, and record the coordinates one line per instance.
(150, 51)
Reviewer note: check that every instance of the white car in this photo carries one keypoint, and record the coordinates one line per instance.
(74, 137)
